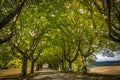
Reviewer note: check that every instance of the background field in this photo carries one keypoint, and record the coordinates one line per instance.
(110, 70)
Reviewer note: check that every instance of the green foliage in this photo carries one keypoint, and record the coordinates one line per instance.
(75, 23)
(2, 2)
(14, 63)
(5, 55)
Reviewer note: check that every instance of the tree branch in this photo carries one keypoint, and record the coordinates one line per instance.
(12, 15)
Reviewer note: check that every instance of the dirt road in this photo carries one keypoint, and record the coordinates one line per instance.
(106, 73)
(48, 74)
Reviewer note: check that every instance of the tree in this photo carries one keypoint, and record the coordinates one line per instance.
(70, 54)
(87, 50)
(110, 10)
(33, 58)
(24, 43)
(83, 30)
(24, 53)
(60, 58)
(13, 15)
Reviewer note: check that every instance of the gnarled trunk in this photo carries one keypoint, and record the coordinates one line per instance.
(84, 66)
(38, 66)
(62, 64)
(32, 66)
(70, 66)
(24, 66)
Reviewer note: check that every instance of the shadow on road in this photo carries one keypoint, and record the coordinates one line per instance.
(49, 74)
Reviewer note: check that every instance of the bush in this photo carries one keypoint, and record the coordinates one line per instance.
(15, 63)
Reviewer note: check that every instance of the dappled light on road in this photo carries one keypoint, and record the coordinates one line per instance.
(48, 74)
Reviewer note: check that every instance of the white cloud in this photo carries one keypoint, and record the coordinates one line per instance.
(105, 58)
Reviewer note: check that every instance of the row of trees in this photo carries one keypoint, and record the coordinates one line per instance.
(57, 32)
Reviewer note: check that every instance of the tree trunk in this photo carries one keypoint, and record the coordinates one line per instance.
(70, 66)
(84, 66)
(24, 66)
(62, 64)
(38, 66)
(12, 15)
(32, 66)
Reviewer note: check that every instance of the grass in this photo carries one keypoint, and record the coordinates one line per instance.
(14, 74)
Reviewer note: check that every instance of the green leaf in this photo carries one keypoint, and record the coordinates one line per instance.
(2, 2)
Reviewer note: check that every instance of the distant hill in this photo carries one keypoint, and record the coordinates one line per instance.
(105, 63)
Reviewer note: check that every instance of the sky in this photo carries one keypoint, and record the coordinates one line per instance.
(105, 58)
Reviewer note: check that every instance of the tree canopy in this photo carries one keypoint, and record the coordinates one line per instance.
(58, 32)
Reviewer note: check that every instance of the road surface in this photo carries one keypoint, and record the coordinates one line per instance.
(48, 74)
(105, 73)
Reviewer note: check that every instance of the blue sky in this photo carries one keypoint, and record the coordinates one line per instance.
(105, 58)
